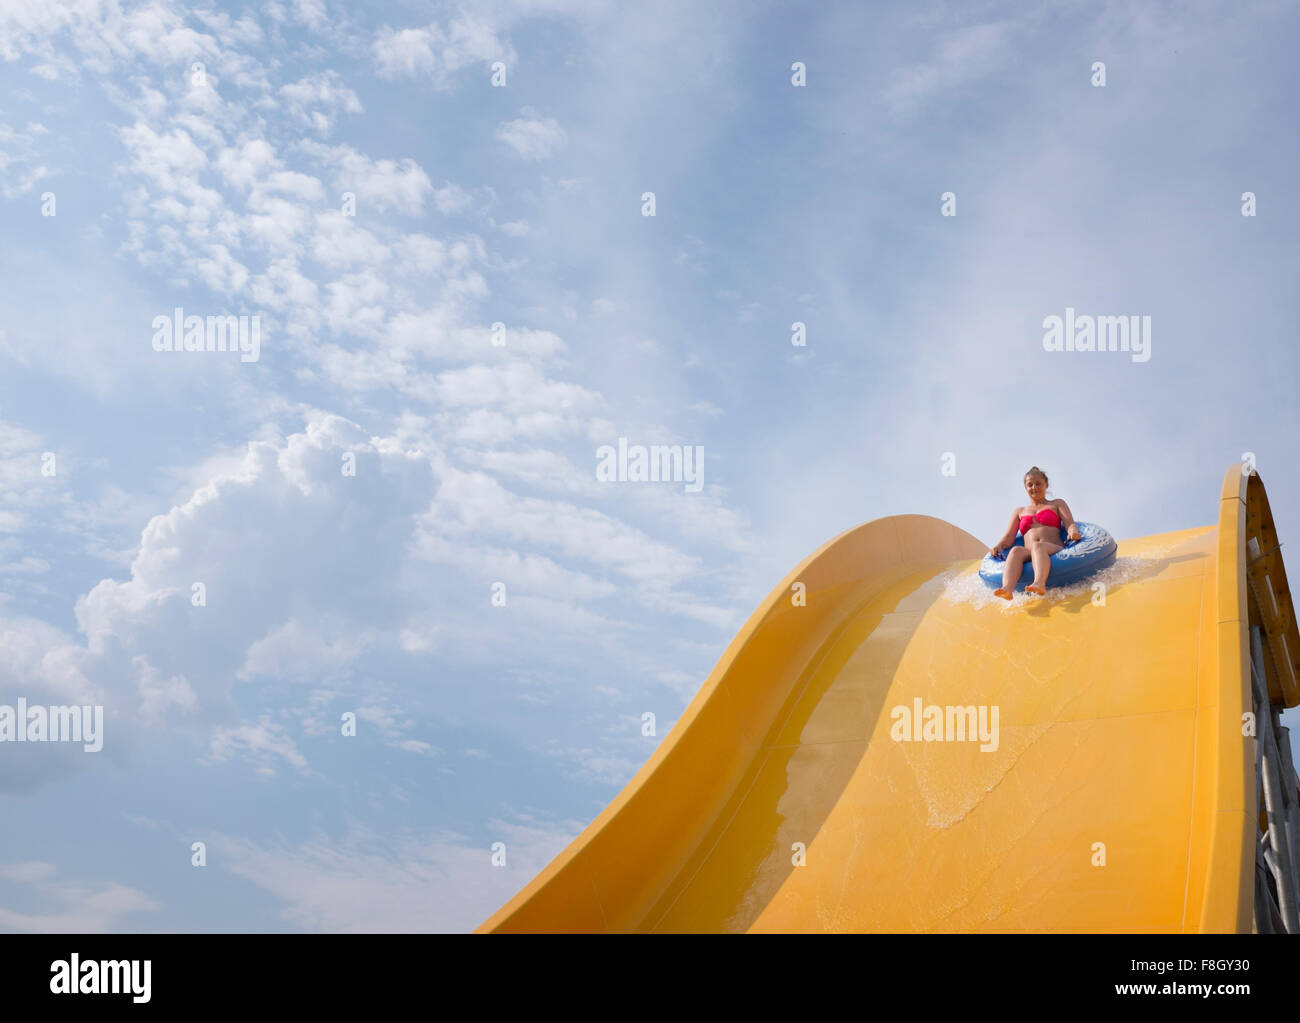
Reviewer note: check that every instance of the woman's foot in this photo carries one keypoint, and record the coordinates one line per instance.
(1004, 594)
(1035, 588)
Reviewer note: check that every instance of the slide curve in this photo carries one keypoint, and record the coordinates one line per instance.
(878, 750)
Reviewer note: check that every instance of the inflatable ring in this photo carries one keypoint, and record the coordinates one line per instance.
(1080, 559)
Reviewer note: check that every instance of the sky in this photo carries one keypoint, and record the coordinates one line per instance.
(437, 212)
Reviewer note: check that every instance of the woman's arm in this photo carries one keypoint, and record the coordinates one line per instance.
(1067, 520)
(1009, 537)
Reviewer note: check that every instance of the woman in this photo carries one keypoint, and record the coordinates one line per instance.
(1041, 522)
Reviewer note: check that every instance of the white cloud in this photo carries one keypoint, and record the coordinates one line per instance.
(436, 334)
(341, 242)
(26, 873)
(19, 171)
(392, 724)
(540, 468)
(297, 651)
(436, 54)
(515, 388)
(529, 574)
(263, 744)
(311, 13)
(241, 166)
(317, 99)
(306, 571)
(409, 883)
(217, 200)
(962, 56)
(221, 271)
(158, 695)
(29, 494)
(532, 137)
(471, 503)
(70, 907)
(396, 185)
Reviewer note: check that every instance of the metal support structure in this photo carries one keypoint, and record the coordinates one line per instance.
(1289, 790)
(1277, 783)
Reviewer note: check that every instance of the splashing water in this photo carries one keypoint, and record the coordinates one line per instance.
(966, 587)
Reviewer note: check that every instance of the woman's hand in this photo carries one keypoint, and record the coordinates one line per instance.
(996, 551)
(1073, 533)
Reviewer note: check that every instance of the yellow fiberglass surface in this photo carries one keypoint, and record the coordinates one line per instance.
(884, 748)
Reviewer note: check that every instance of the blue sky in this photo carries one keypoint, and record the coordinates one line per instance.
(521, 204)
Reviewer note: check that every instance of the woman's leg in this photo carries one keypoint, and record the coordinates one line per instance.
(1011, 572)
(1040, 552)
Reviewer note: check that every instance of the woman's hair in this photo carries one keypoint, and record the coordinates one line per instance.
(1035, 471)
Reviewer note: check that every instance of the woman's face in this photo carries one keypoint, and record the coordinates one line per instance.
(1036, 488)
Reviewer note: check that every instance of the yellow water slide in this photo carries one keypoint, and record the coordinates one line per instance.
(801, 791)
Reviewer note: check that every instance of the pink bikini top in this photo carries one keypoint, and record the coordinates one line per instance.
(1051, 519)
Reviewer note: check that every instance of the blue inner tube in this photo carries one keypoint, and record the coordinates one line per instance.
(1078, 561)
